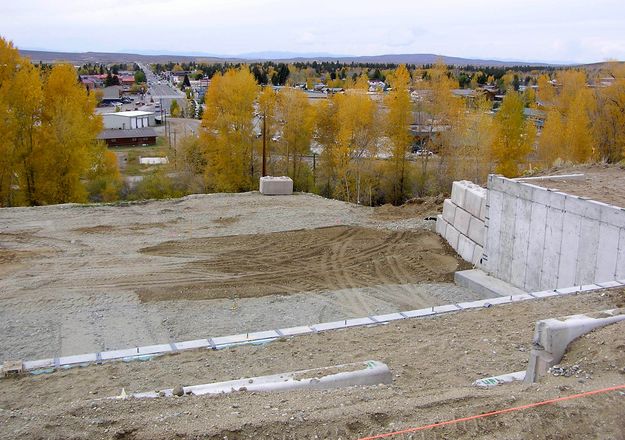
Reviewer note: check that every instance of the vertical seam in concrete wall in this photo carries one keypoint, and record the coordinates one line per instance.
(618, 253)
(560, 251)
(577, 251)
(527, 248)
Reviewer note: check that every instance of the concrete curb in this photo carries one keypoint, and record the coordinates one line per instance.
(263, 337)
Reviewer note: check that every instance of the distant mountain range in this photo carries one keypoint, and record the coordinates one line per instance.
(108, 57)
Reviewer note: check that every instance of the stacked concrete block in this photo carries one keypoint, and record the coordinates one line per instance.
(273, 186)
(540, 239)
(462, 223)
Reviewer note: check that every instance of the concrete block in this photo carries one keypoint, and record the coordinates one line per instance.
(388, 317)
(419, 313)
(473, 199)
(329, 326)
(441, 225)
(545, 294)
(568, 290)
(294, 331)
(588, 251)
(229, 340)
(452, 235)
(523, 213)
(466, 248)
(119, 354)
(485, 285)
(552, 337)
(191, 345)
(613, 215)
(477, 230)
(78, 359)
(582, 207)
(521, 297)
(449, 211)
(458, 190)
(477, 255)
(273, 186)
(567, 269)
(38, 364)
(447, 308)
(462, 220)
(262, 335)
(154, 349)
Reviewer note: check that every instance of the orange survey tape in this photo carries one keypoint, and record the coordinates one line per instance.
(494, 413)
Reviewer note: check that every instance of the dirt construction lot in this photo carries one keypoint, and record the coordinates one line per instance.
(433, 361)
(79, 279)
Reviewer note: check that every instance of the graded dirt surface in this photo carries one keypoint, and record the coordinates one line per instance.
(311, 260)
(433, 360)
(77, 279)
(604, 183)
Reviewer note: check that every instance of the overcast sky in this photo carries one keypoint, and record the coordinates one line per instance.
(528, 30)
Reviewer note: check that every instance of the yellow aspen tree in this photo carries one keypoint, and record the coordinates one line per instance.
(477, 139)
(546, 91)
(326, 134)
(398, 121)
(578, 134)
(70, 128)
(227, 131)
(299, 119)
(513, 138)
(267, 103)
(551, 145)
(609, 116)
(9, 62)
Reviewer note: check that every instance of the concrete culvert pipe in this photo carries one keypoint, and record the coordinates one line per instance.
(338, 376)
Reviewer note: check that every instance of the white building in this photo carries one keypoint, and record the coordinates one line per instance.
(128, 120)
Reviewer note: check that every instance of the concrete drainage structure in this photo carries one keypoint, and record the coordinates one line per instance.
(551, 339)
(553, 336)
(273, 186)
(356, 374)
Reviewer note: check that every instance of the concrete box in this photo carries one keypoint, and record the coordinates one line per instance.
(449, 211)
(462, 220)
(458, 190)
(473, 198)
(273, 186)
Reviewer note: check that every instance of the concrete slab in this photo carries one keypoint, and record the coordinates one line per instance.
(613, 215)
(447, 308)
(484, 284)
(551, 249)
(38, 364)
(609, 284)
(607, 253)
(620, 256)
(545, 294)
(582, 207)
(535, 247)
(587, 255)
(522, 230)
(153, 349)
(262, 335)
(477, 231)
(233, 339)
(119, 354)
(78, 359)
(473, 200)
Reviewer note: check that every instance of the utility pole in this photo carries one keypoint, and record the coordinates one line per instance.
(264, 144)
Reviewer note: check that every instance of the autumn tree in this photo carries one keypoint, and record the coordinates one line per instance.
(608, 120)
(513, 136)
(297, 131)
(227, 131)
(398, 122)
(267, 103)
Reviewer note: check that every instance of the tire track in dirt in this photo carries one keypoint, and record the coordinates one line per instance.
(332, 258)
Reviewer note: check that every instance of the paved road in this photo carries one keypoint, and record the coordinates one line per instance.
(161, 93)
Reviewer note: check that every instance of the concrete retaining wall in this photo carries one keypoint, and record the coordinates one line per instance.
(539, 239)
(462, 221)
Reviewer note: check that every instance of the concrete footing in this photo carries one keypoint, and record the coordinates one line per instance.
(552, 337)
(361, 373)
(274, 186)
(482, 283)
